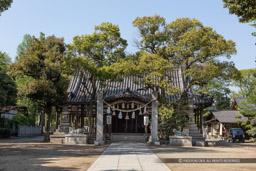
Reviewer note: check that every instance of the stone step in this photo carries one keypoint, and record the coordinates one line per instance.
(198, 137)
(128, 137)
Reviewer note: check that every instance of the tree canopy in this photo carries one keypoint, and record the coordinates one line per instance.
(187, 43)
(8, 90)
(4, 5)
(43, 63)
(244, 9)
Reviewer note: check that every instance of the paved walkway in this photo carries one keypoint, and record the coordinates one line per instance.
(128, 156)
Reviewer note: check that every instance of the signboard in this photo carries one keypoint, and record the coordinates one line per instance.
(146, 120)
(109, 119)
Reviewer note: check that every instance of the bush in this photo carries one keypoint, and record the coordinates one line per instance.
(21, 119)
(5, 132)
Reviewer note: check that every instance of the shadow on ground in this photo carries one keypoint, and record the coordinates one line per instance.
(32, 154)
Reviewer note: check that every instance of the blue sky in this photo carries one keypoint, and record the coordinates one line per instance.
(68, 18)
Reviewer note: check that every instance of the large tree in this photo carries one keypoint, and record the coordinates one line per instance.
(43, 63)
(4, 5)
(92, 54)
(187, 43)
(183, 43)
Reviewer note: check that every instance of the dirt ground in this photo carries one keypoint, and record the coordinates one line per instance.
(172, 155)
(20, 154)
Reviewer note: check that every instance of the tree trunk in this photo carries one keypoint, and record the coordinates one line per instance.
(41, 124)
(48, 122)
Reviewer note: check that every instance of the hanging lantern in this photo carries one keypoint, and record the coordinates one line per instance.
(132, 106)
(120, 115)
(123, 106)
(133, 115)
(114, 113)
(127, 117)
(108, 110)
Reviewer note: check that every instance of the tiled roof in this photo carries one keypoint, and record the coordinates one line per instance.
(228, 116)
(79, 88)
(130, 87)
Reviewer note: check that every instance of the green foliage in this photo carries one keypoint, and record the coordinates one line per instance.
(171, 117)
(20, 119)
(206, 114)
(4, 5)
(186, 42)
(5, 132)
(23, 46)
(42, 63)
(246, 83)
(8, 90)
(152, 33)
(103, 47)
(151, 67)
(244, 9)
(219, 90)
(238, 116)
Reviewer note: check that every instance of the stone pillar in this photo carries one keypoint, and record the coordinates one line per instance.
(154, 118)
(99, 115)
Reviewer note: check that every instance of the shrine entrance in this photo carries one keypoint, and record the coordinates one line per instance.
(125, 125)
(127, 116)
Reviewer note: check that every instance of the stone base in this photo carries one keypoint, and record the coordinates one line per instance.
(57, 138)
(180, 140)
(76, 139)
